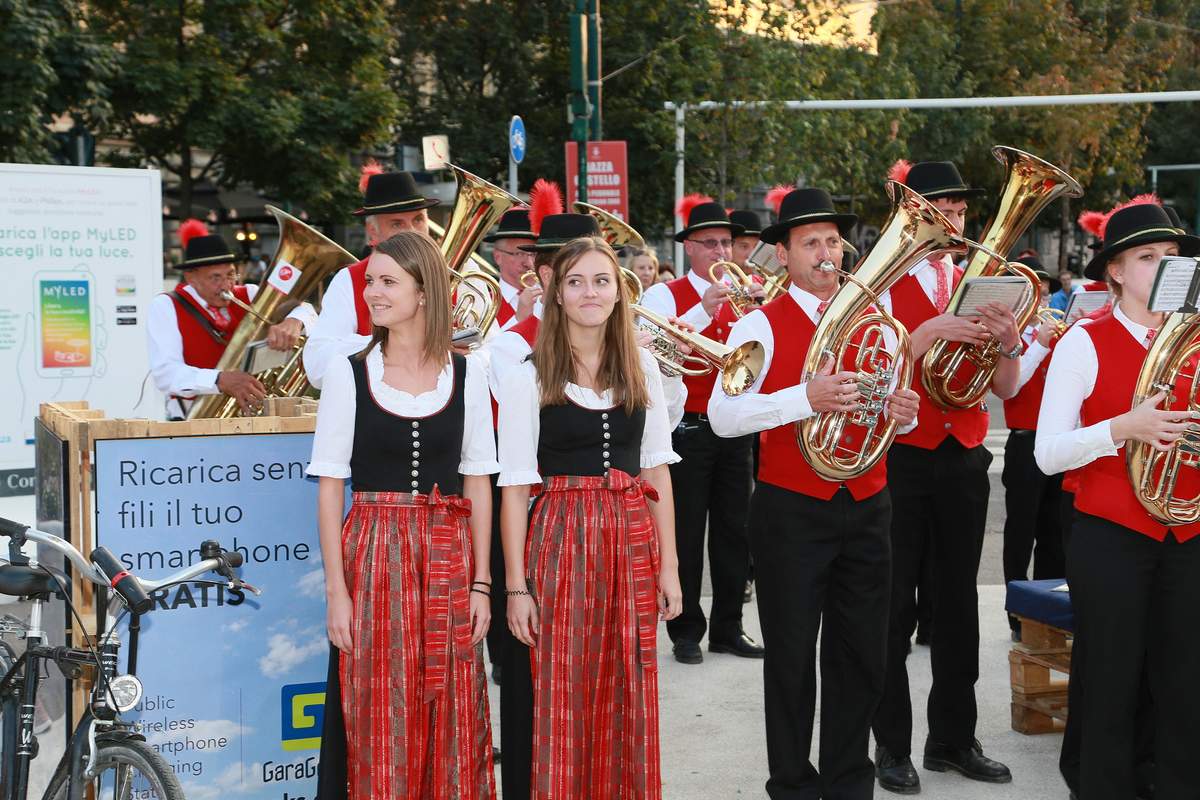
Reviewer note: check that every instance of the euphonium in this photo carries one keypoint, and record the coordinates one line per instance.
(310, 257)
(739, 366)
(957, 375)
(476, 294)
(1171, 361)
(914, 229)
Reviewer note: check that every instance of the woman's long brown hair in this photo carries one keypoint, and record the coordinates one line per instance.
(553, 356)
(420, 257)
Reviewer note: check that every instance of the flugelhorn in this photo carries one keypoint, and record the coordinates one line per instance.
(739, 365)
(308, 257)
(1171, 364)
(741, 297)
(914, 229)
(957, 375)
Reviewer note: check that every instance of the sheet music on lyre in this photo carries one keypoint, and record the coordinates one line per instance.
(1083, 303)
(1007, 290)
(1175, 286)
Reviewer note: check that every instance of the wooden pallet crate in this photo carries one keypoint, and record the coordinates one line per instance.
(1039, 699)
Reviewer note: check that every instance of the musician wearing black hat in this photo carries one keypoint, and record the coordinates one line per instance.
(391, 204)
(1032, 499)
(512, 263)
(1134, 589)
(745, 242)
(714, 478)
(187, 329)
(938, 477)
(821, 549)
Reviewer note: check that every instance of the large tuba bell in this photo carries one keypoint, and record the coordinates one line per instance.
(307, 257)
(914, 229)
(618, 233)
(1171, 363)
(739, 366)
(958, 375)
(477, 207)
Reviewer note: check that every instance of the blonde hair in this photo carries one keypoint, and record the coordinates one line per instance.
(553, 356)
(417, 255)
(632, 254)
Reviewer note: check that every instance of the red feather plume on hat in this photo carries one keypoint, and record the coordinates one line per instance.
(189, 229)
(1098, 227)
(898, 172)
(775, 195)
(545, 198)
(370, 167)
(688, 202)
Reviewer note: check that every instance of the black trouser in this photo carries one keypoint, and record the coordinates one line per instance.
(942, 494)
(711, 485)
(332, 771)
(1137, 609)
(821, 564)
(1033, 514)
(498, 635)
(516, 720)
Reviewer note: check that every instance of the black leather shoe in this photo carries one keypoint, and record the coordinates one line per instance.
(741, 646)
(969, 761)
(688, 652)
(896, 774)
(496, 755)
(748, 592)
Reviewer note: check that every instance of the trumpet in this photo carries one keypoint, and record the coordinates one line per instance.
(741, 297)
(739, 366)
(1055, 317)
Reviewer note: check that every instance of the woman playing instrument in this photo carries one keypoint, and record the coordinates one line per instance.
(406, 574)
(584, 420)
(1135, 583)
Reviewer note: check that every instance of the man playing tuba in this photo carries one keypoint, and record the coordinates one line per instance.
(188, 328)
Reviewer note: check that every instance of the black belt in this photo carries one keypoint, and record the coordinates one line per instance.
(692, 416)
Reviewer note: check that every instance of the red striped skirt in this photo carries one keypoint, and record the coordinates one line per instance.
(592, 559)
(413, 692)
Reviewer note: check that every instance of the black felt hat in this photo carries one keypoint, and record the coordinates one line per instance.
(1142, 222)
(392, 193)
(934, 179)
(201, 248)
(1034, 264)
(513, 225)
(805, 207)
(701, 213)
(1175, 220)
(558, 229)
(749, 220)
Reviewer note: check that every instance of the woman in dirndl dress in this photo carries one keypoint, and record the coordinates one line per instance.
(584, 421)
(407, 572)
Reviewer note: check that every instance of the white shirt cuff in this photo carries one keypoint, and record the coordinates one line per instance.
(658, 459)
(518, 478)
(206, 381)
(327, 469)
(478, 467)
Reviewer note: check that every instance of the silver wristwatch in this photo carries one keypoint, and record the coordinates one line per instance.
(1015, 353)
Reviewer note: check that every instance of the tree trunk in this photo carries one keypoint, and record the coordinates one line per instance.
(185, 182)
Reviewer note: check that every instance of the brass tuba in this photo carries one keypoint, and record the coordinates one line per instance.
(303, 250)
(914, 229)
(476, 294)
(1155, 474)
(739, 366)
(618, 233)
(957, 375)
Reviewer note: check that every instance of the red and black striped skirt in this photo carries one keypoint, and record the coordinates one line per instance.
(413, 692)
(592, 559)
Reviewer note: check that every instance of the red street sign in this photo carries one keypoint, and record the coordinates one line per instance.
(607, 179)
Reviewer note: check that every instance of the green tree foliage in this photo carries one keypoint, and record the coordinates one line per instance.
(1174, 128)
(50, 64)
(280, 92)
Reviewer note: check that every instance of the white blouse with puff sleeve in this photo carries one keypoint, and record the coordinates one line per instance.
(333, 442)
(520, 420)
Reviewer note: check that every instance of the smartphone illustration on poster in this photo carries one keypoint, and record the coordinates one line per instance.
(65, 323)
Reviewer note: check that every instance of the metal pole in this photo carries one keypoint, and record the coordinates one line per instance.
(1154, 180)
(955, 102)
(595, 81)
(680, 114)
(512, 174)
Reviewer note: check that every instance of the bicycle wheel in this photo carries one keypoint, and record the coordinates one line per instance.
(128, 769)
(8, 721)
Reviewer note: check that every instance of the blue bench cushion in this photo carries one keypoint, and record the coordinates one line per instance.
(1036, 600)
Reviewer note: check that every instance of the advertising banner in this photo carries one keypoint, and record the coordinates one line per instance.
(81, 255)
(607, 178)
(234, 684)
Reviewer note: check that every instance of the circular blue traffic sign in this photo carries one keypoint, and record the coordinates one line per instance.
(516, 139)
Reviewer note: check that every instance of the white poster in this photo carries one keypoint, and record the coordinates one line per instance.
(80, 260)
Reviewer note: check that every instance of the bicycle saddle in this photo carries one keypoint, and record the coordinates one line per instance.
(23, 581)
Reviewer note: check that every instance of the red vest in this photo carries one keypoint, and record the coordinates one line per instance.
(200, 349)
(505, 312)
(1021, 411)
(969, 426)
(780, 462)
(1104, 486)
(358, 282)
(686, 298)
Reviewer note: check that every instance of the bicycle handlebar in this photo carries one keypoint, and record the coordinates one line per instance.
(107, 571)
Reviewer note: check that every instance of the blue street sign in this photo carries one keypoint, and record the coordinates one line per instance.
(516, 140)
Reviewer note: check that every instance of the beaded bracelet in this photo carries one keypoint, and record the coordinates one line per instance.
(481, 591)
(482, 583)
(516, 592)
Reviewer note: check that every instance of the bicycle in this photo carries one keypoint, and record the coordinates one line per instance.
(105, 755)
